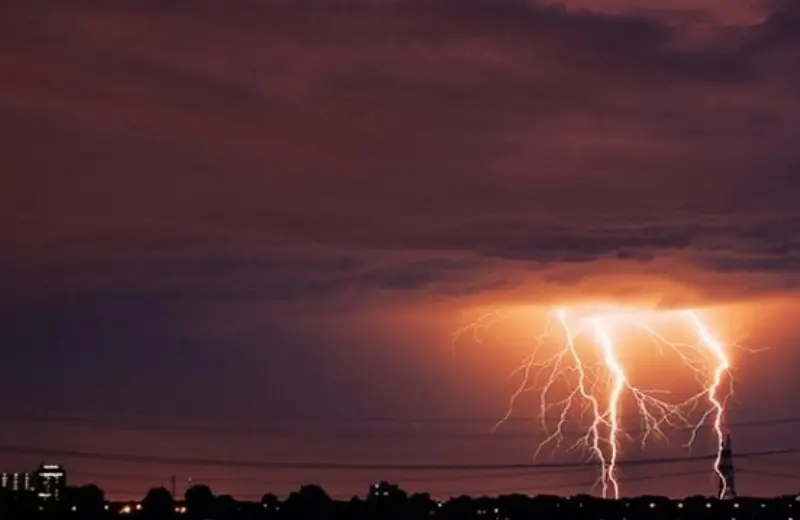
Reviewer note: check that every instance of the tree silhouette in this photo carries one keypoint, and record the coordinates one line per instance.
(310, 502)
(226, 506)
(89, 500)
(389, 502)
(158, 503)
(200, 501)
(421, 505)
(312, 494)
(270, 503)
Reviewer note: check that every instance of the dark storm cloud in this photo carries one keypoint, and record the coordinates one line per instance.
(780, 30)
(206, 151)
(776, 263)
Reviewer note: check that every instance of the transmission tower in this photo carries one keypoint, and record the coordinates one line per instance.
(727, 481)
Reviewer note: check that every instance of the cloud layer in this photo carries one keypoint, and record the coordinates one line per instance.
(298, 152)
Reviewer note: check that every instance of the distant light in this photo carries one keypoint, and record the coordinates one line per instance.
(74, 508)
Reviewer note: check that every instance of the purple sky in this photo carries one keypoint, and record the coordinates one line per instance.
(258, 217)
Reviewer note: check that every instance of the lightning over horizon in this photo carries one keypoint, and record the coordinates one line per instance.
(587, 378)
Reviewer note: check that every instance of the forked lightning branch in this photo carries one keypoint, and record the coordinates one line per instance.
(587, 359)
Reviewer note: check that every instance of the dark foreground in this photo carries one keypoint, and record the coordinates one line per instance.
(311, 502)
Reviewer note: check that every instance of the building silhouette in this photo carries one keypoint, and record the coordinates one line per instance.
(51, 482)
(18, 481)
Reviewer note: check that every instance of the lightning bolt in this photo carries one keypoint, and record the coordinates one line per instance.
(718, 404)
(593, 436)
(620, 381)
(597, 381)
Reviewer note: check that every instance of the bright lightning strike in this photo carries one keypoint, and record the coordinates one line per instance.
(599, 385)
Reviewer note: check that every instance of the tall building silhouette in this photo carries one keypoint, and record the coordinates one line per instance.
(51, 481)
(727, 482)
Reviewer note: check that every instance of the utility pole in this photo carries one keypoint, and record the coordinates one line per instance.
(173, 487)
(727, 481)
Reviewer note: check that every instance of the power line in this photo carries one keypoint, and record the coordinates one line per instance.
(484, 475)
(342, 435)
(582, 484)
(771, 474)
(478, 475)
(152, 459)
(532, 488)
(528, 488)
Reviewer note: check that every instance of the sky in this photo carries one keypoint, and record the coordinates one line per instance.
(248, 229)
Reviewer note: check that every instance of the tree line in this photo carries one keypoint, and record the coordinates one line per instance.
(384, 501)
